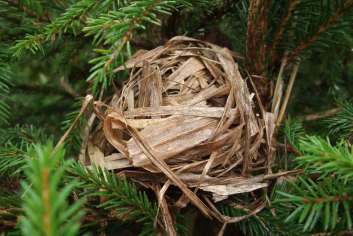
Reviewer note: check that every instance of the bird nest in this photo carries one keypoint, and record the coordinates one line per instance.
(186, 117)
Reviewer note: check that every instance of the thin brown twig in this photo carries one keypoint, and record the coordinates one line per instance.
(166, 215)
(345, 232)
(84, 106)
(319, 200)
(44, 17)
(68, 88)
(247, 147)
(8, 223)
(86, 131)
(321, 115)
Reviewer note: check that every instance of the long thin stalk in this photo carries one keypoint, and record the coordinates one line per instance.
(84, 106)
(287, 94)
(276, 95)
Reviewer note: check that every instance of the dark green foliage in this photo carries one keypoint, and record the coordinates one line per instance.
(70, 19)
(15, 143)
(50, 49)
(293, 131)
(5, 84)
(106, 28)
(324, 203)
(116, 28)
(321, 200)
(120, 195)
(320, 156)
(308, 26)
(45, 206)
(341, 125)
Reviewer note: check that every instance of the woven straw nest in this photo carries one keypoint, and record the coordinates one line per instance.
(186, 117)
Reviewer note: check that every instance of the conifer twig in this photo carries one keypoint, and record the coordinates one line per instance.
(16, 3)
(292, 4)
(332, 21)
(129, 33)
(321, 115)
(45, 200)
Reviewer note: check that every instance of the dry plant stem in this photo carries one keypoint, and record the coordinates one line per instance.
(223, 228)
(276, 94)
(284, 173)
(321, 115)
(247, 144)
(166, 216)
(230, 220)
(86, 102)
(86, 130)
(282, 112)
(68, 88)
(85, 135)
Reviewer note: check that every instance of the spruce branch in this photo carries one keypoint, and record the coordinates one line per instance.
(341, 124)
(293, 130)
(31, 10)
(117, 28)
(71, 18)
(13, 151)
(73, 15)
(5, 84)
(281, 28)
(326, 203)
(320, 156)
(33, 43)
(120, 195)
(45, 206)
(332, 21)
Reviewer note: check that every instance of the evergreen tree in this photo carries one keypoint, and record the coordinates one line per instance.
(298, 53)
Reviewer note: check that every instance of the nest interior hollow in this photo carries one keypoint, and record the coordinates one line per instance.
(186, 115)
